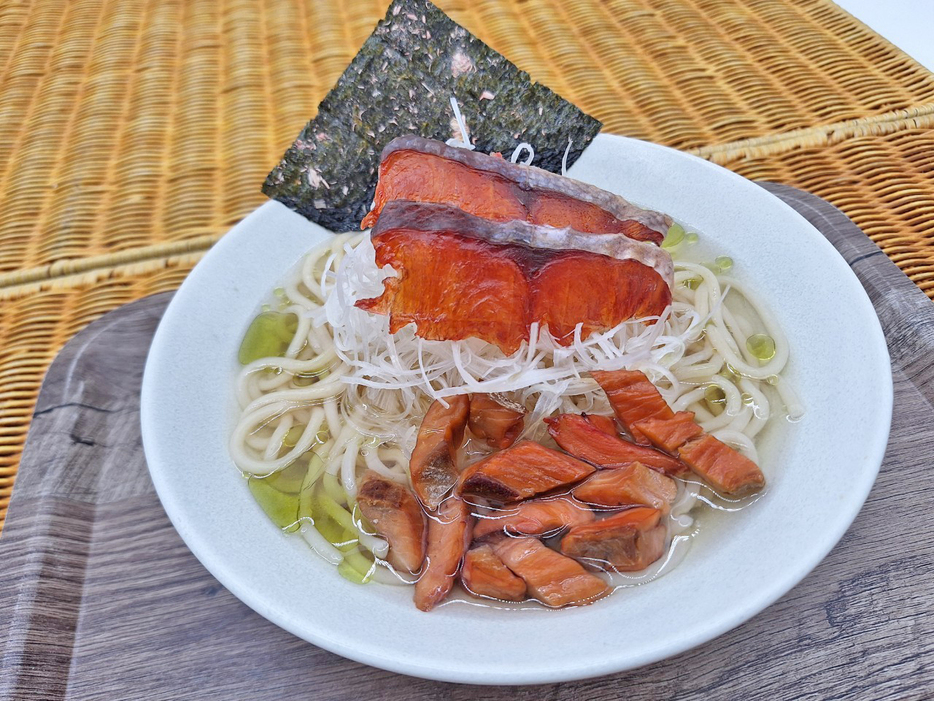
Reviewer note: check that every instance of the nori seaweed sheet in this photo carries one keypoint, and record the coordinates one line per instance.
(401, 82)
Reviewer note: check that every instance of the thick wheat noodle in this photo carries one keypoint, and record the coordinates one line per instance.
(691, 359)
(689, 398)
(277, 437)
(701, 414)
(320, 544)
(723, 420)
(264, 467)
(328, 387)
(371, 458)
(287, 368)
(300, 339)
(349, 467)
(741, 420)
(761, 408)
(742, 327)
(333, 418)
(256, 441)
(772, 367)
(263, 385)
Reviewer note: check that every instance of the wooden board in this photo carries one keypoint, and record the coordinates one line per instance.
(100, 599)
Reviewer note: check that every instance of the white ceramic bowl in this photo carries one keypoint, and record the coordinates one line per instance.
(820, 469)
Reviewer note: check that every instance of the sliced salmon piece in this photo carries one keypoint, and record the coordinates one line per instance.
(484, 574)
(563, 293)
(723, 468)
(626, 542)
(418, 169)
(530, 274)
(552, 578)
(536, 517)
(628, 486)
(633, 398)
(397, 516)
(497, 424)
(449, 534)
(520, 472)
(433, 465)
(670, 434)
(604, 423)
(436, 287)
(578, 436)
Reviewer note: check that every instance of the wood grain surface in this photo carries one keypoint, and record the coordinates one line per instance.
(100, 599)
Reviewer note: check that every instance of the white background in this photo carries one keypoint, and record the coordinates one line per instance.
(909, 24)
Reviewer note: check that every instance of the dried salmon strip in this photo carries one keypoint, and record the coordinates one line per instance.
(723, 468)
(603, 423)
(494, 422)
(626, 542)
(638, 404)
(634, 398)
(449, 535)
(520, 472)
(670, 434)
(595, 291)
(579, 437)
(537, 517)
(485, 574)
(433, 465)
(437, 252)
(436, 289)
(552, 578)
(397, 516)
(632, 485)
(427, 216)
(415, 168)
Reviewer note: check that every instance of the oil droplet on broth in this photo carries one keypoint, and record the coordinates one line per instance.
(761, 346)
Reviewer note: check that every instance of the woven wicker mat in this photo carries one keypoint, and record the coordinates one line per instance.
(133, 133)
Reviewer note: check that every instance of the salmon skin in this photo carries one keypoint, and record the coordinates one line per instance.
(529, 274)
(633, 398)
(552, 578)
(626, 542)
(631, 485)
(418, 169)
(520, 472)
(449, 534)
(397, 516)
(494, 422)
(484, 574)
(725, 469)
(578, 436)
(538, 517)
(433, 465)
(670, 434)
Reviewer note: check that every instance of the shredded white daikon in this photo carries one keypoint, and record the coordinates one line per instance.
(464, 141)
(564, 158)
(402, 361)
(517, 153)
